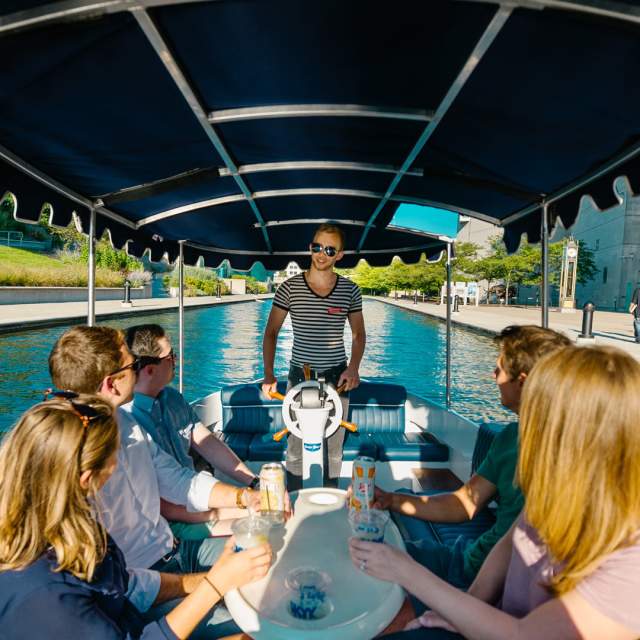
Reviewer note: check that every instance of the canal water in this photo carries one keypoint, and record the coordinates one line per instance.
(223, 345)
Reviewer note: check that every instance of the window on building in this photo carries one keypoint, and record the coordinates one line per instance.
(597, 244)
(604, 275)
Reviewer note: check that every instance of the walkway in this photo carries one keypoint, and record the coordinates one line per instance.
(610, 328)
(21, 317)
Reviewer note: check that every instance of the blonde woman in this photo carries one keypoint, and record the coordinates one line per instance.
(570, 566)
(61, 575)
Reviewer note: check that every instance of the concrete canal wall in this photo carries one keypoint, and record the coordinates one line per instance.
(24, 317)
(34, 295)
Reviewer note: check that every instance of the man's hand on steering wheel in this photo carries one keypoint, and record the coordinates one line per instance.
(350, 378)
(269, 385)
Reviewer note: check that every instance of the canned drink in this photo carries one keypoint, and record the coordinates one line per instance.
(272, 490)
(363, 483)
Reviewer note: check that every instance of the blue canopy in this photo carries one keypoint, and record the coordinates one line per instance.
(237, 126)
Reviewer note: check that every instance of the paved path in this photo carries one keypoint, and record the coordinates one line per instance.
(20, 317)
(609, 328)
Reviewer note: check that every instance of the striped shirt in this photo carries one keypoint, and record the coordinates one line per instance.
(318, 321)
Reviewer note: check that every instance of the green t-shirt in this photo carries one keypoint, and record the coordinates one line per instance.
(499, 467)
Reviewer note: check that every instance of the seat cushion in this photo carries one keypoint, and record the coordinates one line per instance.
(246, 410)
(264, 447)
(378, 407)
(419, 447)
(239, 443)
(358, 444)
(440, 532)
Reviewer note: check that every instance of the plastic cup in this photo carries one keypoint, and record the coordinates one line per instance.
(369, 524)
(309, 596)
(251, 532)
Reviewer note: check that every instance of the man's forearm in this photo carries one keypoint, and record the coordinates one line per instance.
(179, 513)
(220, 456)
(444, 507)
(358, 344)
(269, 353)
(177, 585)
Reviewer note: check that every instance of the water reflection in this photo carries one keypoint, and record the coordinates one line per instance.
(223, 345)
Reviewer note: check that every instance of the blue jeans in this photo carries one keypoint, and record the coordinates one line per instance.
(194, 556)
(636, 328)
(447, 562)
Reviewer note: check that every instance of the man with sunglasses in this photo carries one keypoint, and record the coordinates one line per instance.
(171, 421)
(162, 567)
(320, 302)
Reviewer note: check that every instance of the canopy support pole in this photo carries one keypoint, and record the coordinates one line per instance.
(91, 276)
(448, 366)
(181, 317)
(544, 256)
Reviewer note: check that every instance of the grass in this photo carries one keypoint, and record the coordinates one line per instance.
(13, 257)
(21, 268)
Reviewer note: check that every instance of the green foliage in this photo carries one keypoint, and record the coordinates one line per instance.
(521, 267)
(20, 268)
(253, 286)
(197, 282)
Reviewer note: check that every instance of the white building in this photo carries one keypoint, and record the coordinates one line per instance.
(292, 270)
(614, 237)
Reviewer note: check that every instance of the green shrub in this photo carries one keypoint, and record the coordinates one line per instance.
(197, 282)
(69, 276)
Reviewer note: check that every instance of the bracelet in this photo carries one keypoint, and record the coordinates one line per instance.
(255, 483)
(213, 586)
(239, 492)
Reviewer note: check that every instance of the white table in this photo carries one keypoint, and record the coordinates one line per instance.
(317, 536)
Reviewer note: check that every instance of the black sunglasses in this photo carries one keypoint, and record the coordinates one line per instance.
(137, 364)
(85, 412)
(329, 251)
(147, 360)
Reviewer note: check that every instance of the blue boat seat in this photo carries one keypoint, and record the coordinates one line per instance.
(239, 443)
(379, 412)
(358, 444)
(264, 447)
(445, 532)
(418, 447)
(249, 421)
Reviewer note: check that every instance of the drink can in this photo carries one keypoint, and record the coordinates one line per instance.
(272, 490)
(363, 481)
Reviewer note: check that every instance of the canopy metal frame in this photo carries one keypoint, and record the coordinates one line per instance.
(168, 60)
(76, 8)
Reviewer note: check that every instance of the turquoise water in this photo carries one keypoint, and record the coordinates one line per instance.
(223, 345)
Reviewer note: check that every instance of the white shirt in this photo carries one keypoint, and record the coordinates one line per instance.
(130, 503)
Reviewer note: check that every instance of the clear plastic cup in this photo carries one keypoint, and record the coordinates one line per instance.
(251, 532)
(309, 596)
(368, 524)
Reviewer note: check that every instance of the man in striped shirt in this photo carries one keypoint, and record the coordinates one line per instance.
(319, 301)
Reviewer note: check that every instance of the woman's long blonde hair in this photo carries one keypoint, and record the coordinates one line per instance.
(579, 464)
(42, 504)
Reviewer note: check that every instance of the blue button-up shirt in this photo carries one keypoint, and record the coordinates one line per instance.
(169, 419)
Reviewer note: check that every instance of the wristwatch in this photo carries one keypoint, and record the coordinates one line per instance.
(255, 483)
(239, 492)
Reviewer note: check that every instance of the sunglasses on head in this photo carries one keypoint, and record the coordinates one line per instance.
(85, 412)
(329, 251)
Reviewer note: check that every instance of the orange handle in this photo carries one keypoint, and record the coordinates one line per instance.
(349, 426)
(307, 372)
(280, 434)
(276, 396)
